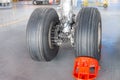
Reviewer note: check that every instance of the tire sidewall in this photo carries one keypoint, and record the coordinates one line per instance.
(50, 17)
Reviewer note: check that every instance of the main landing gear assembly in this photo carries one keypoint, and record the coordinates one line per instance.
(46, 32)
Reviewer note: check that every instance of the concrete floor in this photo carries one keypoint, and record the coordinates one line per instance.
(16, 64)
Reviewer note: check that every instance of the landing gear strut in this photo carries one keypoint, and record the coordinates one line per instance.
(46, 32)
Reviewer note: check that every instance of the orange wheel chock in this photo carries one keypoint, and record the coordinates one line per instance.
(85, 68)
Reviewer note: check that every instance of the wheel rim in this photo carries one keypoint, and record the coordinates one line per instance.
(51, 36)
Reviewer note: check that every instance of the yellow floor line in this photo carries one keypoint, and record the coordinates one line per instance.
(13, 22)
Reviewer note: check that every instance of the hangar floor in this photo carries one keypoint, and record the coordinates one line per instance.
(16, 64)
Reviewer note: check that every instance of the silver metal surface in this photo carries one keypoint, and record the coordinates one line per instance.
(67, 15)
(66, 21)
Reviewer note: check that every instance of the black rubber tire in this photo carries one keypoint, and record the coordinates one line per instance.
(38, 28)
(87, 43)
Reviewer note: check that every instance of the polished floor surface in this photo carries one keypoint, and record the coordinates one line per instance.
(16, 64)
